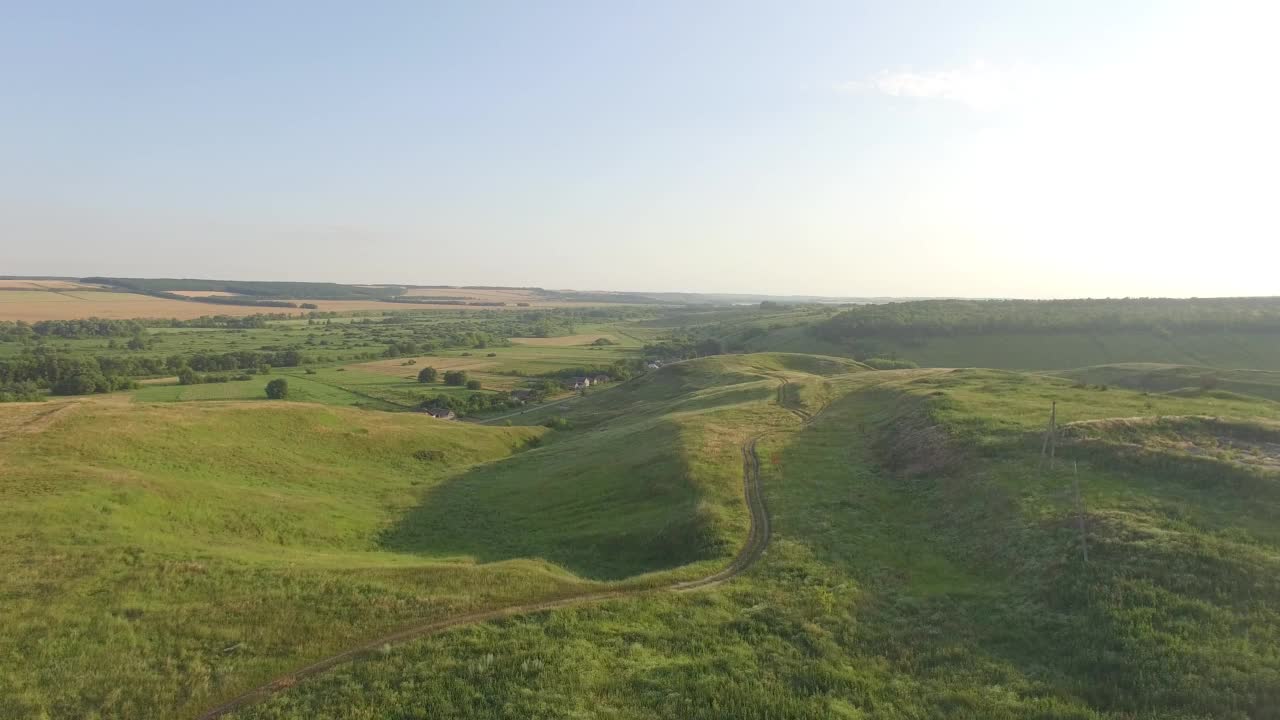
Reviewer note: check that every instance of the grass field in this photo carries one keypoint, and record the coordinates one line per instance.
(165, 555)
(569, 340)
(921, 567)
(1182, 379)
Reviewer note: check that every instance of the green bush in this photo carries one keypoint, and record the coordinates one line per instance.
(278, 389)
(557, 423)
(889, 364)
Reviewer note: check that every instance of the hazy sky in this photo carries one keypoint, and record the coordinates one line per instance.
(895, 148)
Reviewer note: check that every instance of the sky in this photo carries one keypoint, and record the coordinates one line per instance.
(1013, 149)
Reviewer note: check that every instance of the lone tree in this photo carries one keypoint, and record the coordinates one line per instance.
(473, 384)
(455, 377)
(427, 375)
(278, 389)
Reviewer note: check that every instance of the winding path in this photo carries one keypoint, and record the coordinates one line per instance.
(752, 550)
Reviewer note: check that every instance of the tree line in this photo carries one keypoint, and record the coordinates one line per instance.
(73, 374)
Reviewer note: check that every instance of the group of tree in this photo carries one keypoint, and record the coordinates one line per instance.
(684, 348)
(617, 371)
(187, 376)
(70, 329)
(21, 392)
(91, 381)
(49, 367)
(470, 403)
(67, 374)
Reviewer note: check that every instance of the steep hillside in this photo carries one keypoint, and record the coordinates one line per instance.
(1042, 335)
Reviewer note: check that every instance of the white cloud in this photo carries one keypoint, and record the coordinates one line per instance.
(980, 86)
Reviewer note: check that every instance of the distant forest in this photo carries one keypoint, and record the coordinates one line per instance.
(931, 318)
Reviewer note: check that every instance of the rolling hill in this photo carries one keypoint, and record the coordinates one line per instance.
(921, 562)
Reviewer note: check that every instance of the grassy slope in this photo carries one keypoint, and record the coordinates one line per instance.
(1050, 351)
(167, 555)
(1156, 377)
(920, 568)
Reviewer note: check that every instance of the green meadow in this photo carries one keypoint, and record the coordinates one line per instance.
(166, 556)
(921, 566)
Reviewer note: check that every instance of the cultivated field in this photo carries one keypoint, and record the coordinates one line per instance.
(33, 305)
(41, 305)
(203, 293)
(505, 295)
(43, 285)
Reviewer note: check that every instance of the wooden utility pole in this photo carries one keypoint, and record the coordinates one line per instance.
(1050, 444)
(1075, 484)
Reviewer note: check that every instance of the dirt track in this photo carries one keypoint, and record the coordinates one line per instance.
(752, 550)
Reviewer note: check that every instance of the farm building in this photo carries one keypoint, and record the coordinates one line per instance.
(441, 413)
(600, 379)
(578, 383)
(521, 395)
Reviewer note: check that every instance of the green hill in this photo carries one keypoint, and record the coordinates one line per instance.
(166, 557)
(1040, 335)
(1182, 379)
(163, 557)
(921, 567)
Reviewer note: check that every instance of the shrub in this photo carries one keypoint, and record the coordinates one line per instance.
(557, 423)
(473, 384)
(79, 384)
(889, 364)
(21, 392)
(278, 389)
(427, 375)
